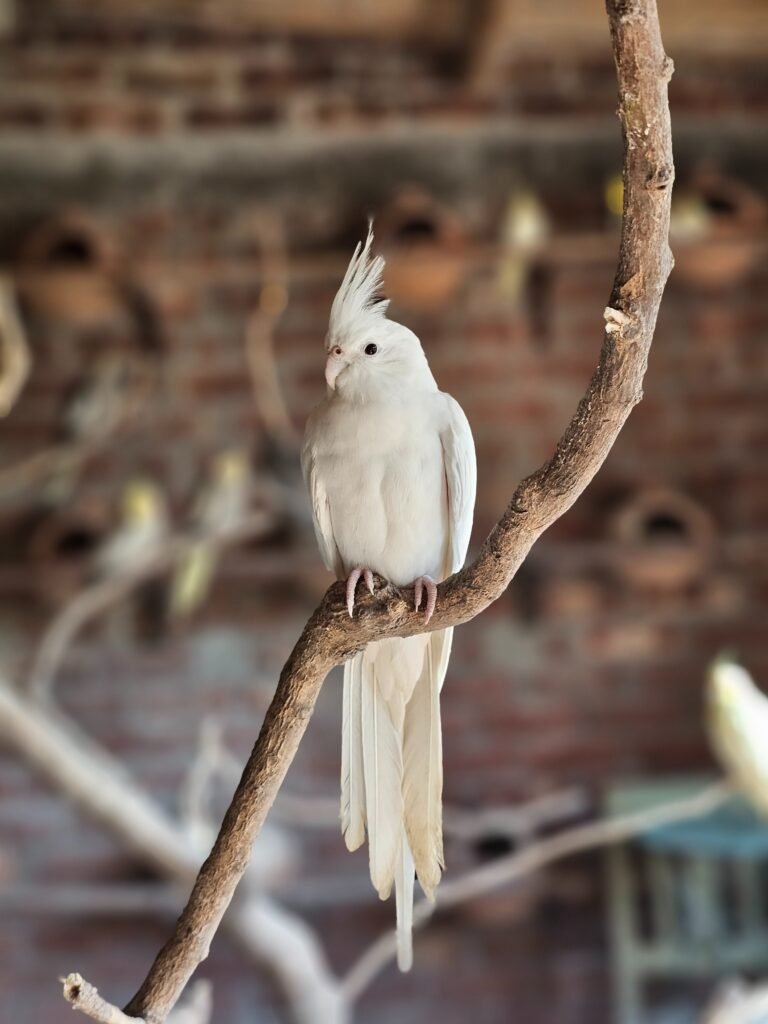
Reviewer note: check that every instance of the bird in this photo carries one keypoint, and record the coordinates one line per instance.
(140, 533)
(737, 713)
(389, 462)
(221, 507)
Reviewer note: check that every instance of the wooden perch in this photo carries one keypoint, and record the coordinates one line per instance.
(331, 637)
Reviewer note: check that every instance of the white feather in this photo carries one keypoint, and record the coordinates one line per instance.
(423, 765)
(358, 305)
(404, 907)
(352, 782)
(461, 481)
(383, 772)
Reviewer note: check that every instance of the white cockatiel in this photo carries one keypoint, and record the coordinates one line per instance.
(737, 713)
(390, 466)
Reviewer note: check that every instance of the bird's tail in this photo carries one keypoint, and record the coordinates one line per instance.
(392, 772)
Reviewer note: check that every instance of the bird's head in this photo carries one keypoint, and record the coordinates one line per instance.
(230, 467)
(141, 502)
(368, 355)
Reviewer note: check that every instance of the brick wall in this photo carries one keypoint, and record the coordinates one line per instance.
(170, 142)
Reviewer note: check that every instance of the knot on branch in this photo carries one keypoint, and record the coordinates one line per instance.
(83, 996)
(660, 178)
(616, 321)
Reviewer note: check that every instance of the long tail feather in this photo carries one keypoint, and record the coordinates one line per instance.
(383, 770)
(404, 906)
(423, 765)
(352, 782)
(392, 773)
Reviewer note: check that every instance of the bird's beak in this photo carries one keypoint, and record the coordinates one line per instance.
(333, 367)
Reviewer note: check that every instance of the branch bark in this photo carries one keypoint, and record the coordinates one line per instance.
(330, 637)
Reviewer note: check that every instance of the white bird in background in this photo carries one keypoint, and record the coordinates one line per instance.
(738, 728)
(390, 466)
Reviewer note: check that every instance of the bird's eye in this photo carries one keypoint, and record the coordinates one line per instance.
(371, 350)
(337, 350)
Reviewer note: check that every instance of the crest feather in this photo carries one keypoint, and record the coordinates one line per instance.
(357, 303)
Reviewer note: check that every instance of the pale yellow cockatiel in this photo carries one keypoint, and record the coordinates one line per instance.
(390, 466)
(141, 531)
(737, 713)
(222, 506)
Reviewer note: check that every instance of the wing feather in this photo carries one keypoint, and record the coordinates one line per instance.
(321, 509)
(461, 481)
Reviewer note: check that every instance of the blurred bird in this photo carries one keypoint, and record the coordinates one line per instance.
(222, 506)
(96, 405)
(525, 227)
(614, 196)
(738, 729)
(390, 466)
(142, 530)
(138, 538)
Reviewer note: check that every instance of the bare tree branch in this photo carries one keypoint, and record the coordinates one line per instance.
(330, 637)
(99, 786)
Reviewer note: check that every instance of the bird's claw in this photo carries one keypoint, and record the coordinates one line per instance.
(420, 585)
(352, 580)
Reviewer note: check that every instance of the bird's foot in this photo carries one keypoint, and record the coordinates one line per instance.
(352, 579)
(420, 585)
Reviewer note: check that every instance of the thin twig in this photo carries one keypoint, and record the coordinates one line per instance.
(330, 636)
(525, 862)
(83, 996)
(69, 457)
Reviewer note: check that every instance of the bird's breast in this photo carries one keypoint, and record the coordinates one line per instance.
(384, 476)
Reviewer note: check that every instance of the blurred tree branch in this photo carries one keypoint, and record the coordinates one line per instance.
(99, 786)
(15, 359)
(330, 637)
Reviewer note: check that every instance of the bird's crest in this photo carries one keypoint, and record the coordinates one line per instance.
(358, 303)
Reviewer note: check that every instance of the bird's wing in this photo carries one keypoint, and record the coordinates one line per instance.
(461, 481)
(321, 509)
